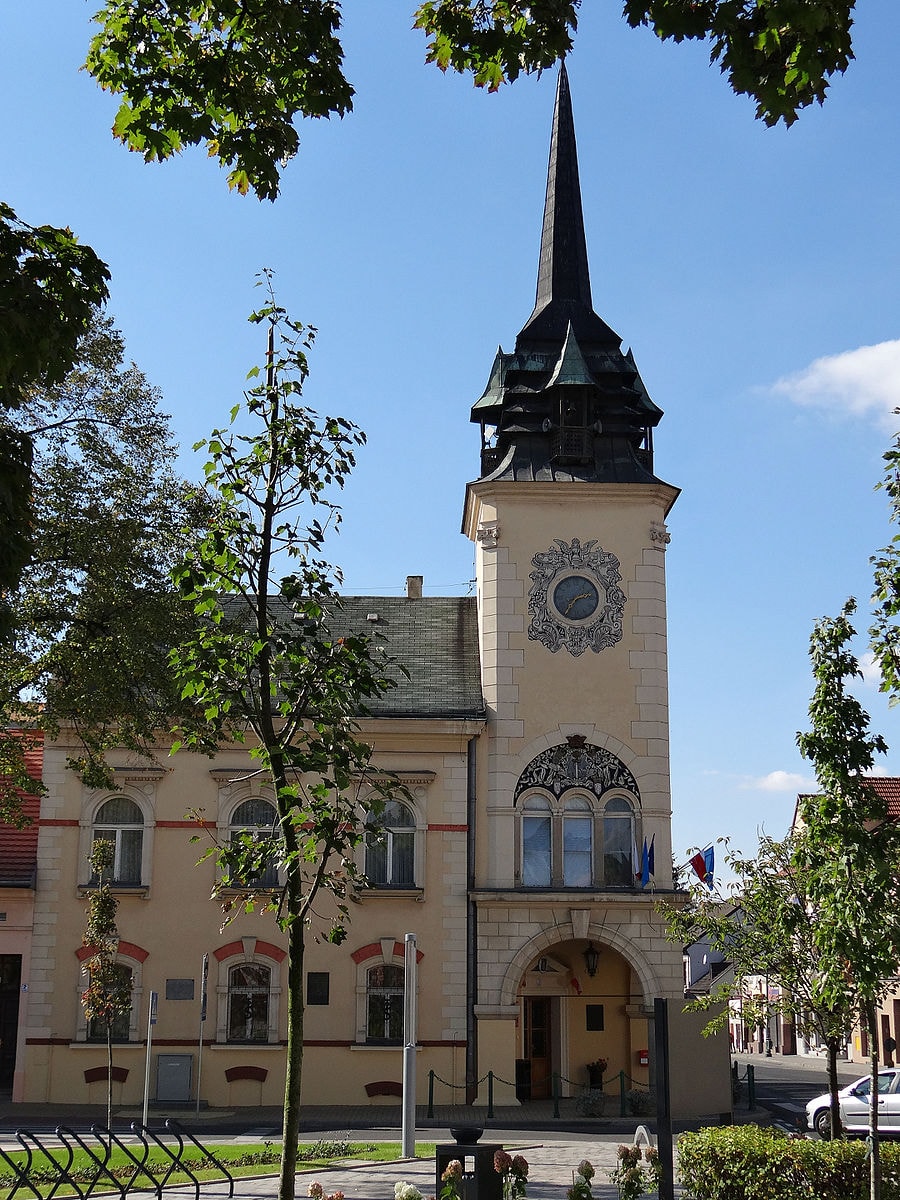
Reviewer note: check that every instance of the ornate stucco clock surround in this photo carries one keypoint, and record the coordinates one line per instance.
(575, 600)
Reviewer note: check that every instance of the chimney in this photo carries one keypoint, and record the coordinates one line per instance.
(414, 587)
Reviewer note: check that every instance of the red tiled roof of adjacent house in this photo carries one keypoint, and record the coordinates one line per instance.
(888, 788)
(18, 847)
(885, 786)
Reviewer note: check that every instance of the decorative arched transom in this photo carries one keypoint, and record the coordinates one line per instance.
(592, 768)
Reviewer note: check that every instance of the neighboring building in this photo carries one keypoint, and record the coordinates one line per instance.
(18, 874)
(533, 735)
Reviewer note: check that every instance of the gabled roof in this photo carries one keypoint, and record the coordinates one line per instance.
(436, 640)
(887, 787)
(18, 847)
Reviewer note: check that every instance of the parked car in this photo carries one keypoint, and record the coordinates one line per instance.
(854, 1101)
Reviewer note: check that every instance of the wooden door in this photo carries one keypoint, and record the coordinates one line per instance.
(10, 982)
(537, 1044)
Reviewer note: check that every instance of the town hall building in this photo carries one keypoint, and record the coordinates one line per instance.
(528, 857)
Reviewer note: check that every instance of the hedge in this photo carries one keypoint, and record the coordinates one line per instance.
(745, 1162)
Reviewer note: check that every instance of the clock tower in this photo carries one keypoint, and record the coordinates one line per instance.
(574, 809)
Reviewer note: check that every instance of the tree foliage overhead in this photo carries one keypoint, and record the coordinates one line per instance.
(781, 52)
(231, 74)
(50, 288)
(235, 76)
(95, 608)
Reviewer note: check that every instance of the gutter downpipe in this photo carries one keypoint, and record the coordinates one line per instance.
(471, 930)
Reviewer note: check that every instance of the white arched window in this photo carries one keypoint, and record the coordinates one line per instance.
(249, 992)
(253, 827)
(618, 843)
(391, 847)
(578, 842)
(121, 822)
(574, 841)
(537, 842)
(384, 1004)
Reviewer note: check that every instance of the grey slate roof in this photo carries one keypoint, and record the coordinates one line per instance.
(435, 638)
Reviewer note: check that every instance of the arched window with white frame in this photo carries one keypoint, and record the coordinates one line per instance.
(391, 847)
(578, 841)
(618, 842)
(537, 842)
(253, 828)
(249, 992)
(120, 821)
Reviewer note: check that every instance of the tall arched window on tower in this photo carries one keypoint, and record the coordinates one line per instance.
(121, 822)
(249, 985)
(391, 848)
(384, 1004)
(578, 842)
(256, 819)
(537, 842)
(618, 843)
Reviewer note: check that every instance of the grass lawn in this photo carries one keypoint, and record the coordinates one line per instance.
(241, 1159)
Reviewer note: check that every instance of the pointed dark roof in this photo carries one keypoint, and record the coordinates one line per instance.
(564, 282)
(568, 403)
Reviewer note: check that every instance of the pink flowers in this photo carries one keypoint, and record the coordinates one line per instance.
(514, 1170)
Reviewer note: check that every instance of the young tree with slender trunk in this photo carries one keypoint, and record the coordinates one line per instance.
(107, 996)
(267, 661)
(850, 851)
(767, 927)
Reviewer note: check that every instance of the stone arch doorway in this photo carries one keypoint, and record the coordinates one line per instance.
(569, 1019)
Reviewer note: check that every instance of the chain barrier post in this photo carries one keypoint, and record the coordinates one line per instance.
(490, 1111)
(430, 1095)
(555, 1094)
(751, 1086)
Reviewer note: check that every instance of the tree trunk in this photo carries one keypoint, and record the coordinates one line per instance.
(291, 1128)
(874, 1142)
(109, 1081)
(834, 1086)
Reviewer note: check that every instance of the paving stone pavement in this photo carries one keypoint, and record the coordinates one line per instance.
(551, 1165)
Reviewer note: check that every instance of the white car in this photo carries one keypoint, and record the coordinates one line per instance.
(854, 1101)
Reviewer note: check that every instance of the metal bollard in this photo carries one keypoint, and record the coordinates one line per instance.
(751, 1086)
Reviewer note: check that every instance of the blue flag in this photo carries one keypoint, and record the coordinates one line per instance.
(645, 864)
(709, 861)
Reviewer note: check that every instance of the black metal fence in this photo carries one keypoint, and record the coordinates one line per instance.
(181, 1152)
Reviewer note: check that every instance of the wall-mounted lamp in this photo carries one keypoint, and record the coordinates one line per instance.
(591, 959)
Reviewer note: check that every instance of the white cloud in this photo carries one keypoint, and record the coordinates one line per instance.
(863, 382)
(780, 781)
(871, 669)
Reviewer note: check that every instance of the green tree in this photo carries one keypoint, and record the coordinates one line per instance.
(107, 997)
(95, 609)
(236, 76)
(768, 928)
(267, 660)
(50, 288)
(850, 853)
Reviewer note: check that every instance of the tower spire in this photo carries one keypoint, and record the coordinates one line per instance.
(564, 283)
(567, 404)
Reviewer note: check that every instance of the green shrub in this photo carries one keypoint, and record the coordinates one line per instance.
(745, 1162)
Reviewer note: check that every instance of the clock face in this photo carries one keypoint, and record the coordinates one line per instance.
(575, 602)
(575, 597)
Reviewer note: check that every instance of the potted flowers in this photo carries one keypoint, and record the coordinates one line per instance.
(595, 1072)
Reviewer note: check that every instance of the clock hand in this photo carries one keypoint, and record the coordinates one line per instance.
(575, 599)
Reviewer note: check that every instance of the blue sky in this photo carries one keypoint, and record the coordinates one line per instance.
(754, 272)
